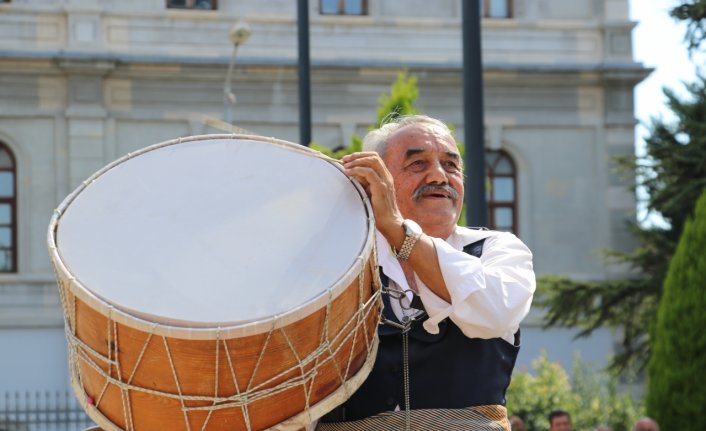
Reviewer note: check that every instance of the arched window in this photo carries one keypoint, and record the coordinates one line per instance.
(8, 211)
(501, 192)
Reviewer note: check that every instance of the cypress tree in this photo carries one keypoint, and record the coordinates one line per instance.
(676, 392)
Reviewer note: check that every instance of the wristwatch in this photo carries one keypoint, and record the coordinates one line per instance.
(412, 233)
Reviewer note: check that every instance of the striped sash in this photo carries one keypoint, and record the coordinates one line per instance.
(480, 418)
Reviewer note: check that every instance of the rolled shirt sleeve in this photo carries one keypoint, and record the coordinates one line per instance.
(490, 295)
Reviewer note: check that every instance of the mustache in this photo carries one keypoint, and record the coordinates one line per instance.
(426, 188)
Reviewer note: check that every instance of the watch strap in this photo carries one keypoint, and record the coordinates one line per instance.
(406, 250)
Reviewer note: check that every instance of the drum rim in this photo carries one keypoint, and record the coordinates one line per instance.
(205, 332)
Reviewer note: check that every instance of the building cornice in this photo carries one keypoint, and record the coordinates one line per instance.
(106, 60)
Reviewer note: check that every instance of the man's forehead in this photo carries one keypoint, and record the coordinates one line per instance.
(420, 129)
(413, 151)
(419, 138)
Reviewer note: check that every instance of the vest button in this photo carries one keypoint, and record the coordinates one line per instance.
(391, 401)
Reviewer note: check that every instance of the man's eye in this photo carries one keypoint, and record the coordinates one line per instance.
(451, 166)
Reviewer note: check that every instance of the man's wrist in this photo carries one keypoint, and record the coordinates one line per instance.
(412, 234)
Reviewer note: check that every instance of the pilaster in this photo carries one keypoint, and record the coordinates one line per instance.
(86, 116)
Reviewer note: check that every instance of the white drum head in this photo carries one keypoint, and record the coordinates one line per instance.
(213, 231)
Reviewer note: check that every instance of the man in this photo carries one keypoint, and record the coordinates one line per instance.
(516, 423)
(646, 424)
(559, 420)
(454, 296)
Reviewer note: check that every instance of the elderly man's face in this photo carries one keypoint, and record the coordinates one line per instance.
(426, 166)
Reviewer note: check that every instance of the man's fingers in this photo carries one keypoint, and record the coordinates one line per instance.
(362, 154)
(370, 171)
(367, 161)
(364, 175)
(358, 177)
(372, 160)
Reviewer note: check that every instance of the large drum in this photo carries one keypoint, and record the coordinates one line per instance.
(219, 282)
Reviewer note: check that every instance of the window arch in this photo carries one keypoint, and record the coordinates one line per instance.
(501, 193)
(8, 210)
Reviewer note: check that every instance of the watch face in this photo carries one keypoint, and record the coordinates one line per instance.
(411, 227)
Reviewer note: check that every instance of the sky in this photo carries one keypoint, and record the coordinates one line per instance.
(658, 43)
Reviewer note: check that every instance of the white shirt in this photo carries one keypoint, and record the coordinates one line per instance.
(490, 295)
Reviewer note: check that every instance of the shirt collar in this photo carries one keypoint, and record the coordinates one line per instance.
(459, 238)
(462, 236)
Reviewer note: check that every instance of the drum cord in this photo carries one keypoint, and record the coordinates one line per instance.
(405, 326)
(405, 370)
(89, 356)
(85, 351)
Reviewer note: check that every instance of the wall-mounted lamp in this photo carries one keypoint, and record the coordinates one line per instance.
(239, 33)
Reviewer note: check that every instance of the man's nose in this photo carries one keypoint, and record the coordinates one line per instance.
(436, 174)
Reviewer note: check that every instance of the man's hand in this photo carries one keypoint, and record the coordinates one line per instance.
(370, 171)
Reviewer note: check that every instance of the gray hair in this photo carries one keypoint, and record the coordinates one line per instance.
(377, 139)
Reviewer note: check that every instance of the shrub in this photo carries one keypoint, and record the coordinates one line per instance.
(589, 396)
(677, 369)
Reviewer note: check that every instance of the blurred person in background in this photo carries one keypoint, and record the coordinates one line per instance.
(516, 423)
(559, 420)
(645, 424)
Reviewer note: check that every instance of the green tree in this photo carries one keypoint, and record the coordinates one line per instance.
(401, 100)
(677, 369)
(694, 13)
(589, 395)
(673, 173)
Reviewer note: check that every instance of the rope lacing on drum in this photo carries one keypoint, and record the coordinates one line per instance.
(91, 357)
(258, 392)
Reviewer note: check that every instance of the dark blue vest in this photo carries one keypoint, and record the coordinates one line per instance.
(447, 370)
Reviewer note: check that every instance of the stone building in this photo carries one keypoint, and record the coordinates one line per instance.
(83, 83)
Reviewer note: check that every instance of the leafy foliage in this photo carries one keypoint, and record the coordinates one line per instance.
(589, 396)
(673, 172)
(694, 12)
(588, 305)
(355, 146)
(677, 368)
(400, 101)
